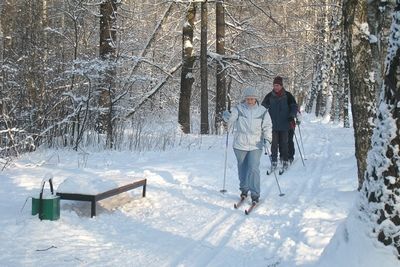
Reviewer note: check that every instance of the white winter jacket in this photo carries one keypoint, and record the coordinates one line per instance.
(252, 124)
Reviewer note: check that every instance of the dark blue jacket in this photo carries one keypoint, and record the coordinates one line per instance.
(281, 109)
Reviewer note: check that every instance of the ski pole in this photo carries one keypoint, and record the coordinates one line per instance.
(276, 178)
(301, 155)
(223, 190)
(301, 141)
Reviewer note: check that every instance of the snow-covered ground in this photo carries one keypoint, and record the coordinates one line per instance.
(185, 220)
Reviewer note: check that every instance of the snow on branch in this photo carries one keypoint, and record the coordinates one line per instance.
(155, 89)
(219, 58)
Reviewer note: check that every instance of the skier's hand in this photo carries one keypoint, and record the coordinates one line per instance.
(298, 121)
(226, 115)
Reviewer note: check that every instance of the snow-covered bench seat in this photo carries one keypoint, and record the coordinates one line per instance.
(70, 190)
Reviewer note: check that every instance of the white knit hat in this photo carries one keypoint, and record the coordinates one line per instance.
(250, 92)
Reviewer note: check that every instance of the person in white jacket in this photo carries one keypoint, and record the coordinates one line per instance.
(252, 130)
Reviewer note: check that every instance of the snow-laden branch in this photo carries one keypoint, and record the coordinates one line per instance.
(155, 89)
(266, 14)
(238, 58)
(153, 34)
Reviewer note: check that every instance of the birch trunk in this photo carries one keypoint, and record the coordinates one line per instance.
(362, 93)
(380, 198)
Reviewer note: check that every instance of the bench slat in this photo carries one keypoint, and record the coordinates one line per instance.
(119, 190)
(94, 198)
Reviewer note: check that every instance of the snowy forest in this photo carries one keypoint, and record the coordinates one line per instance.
(154, 75)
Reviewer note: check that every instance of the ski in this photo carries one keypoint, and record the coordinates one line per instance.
(236, 205)
(253, 205)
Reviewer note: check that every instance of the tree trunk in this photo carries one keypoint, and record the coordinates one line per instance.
(204, 127)
(187, 77)
(108, 38)
(346, 89)
(380, 198)
(379, 20)
(318, 62)
(312, 95)
(324, 91)
(362, 93)
(336, 90)
(220, 78)
(318, 103)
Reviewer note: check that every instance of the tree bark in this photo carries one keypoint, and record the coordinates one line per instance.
(379, 19)
(318, 63)
(380, 198)
(187, 77)
(220, 77)
(204, 127)
(362, 93)
(346, 89)
(108, 38)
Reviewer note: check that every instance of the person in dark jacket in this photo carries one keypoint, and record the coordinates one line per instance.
(282, 108)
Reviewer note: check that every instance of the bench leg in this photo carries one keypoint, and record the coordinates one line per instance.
(144, 189)
(93, 209)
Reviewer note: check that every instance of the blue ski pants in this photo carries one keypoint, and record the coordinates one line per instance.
(249, 171)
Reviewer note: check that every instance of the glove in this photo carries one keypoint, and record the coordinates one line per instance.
(298, 121)
(290, 119)
(226, 115)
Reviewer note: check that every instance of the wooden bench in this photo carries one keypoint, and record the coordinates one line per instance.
(94, 198)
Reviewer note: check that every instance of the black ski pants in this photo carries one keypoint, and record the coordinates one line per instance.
(279, 141)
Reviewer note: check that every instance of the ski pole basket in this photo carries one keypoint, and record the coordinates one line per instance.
(48, 207)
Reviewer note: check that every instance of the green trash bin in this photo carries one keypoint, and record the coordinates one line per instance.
(48, 208)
